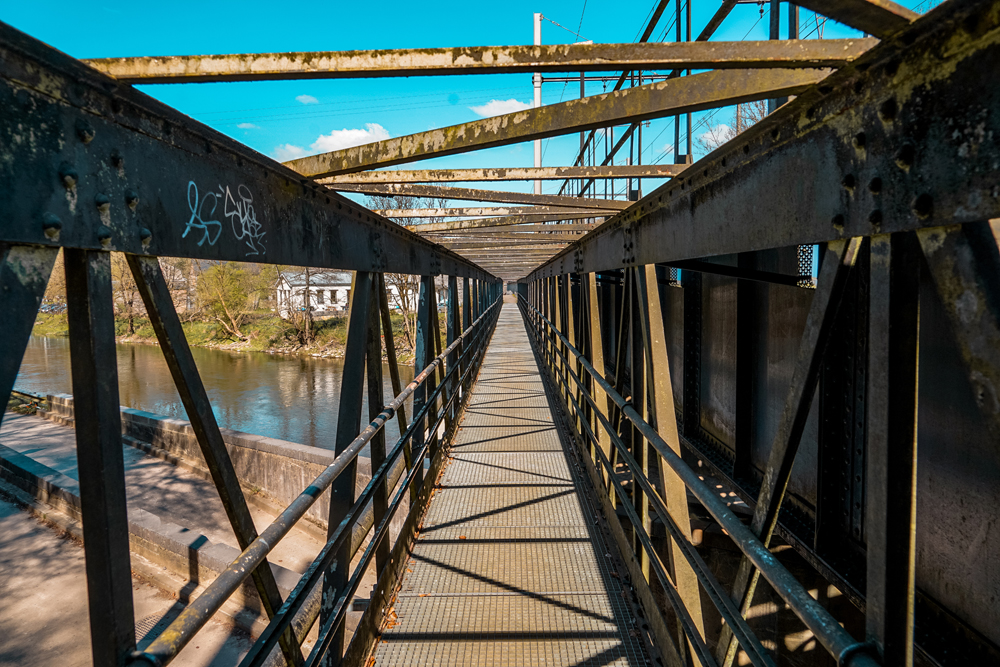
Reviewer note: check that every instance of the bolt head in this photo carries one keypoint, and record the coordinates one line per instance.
(104, 236)
(116, 159)
(102, 201)
(145, 235)
(68, 175)
(84, 131)
(51, 226)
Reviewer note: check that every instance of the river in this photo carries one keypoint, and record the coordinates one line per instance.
(286, 397)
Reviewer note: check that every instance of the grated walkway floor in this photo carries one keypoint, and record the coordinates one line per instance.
(509, 568)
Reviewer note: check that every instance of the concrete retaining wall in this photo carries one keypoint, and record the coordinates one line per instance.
(276, 469)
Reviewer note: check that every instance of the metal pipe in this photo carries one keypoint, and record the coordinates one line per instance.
(818, 620)
(166, 647)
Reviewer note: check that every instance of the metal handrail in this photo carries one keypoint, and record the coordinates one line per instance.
(283, 619)
(834, 638)
(170, 642)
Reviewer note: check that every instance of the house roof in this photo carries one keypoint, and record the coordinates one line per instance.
(317, 278)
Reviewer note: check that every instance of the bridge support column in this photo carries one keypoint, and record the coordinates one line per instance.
(100, 461)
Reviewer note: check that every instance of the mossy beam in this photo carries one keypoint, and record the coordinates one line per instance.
(483, 223)
(483, 60)
(471, 194)
(656, 100)
(494, 211)
(508, 174)
(897, 141)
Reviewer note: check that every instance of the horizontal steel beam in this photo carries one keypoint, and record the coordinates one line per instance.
(482, 60)
(893, 142)
(517, 230)
(471, 194)
(506, 221)
(89, 163)
(509, 174)
(881, 18)
(493, 211)
(656, 100)
(544, 239)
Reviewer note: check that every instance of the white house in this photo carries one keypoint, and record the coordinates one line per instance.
(328, 291)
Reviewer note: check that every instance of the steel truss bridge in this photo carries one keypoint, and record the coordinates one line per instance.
(674, 344)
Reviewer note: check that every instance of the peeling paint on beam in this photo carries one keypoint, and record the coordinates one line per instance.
(483, 60)
(471, 194)
(508, 174)
(497, 222)
(898, 141)
(493, 211)
(656, 100)
(881, 18)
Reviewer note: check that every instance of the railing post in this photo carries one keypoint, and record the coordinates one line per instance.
(421, 357)
(637, 382)
(100, 461)
(452, 333)
(664, 419)
(592, 309)
(376, 402)
(891, 504)
(342, 491)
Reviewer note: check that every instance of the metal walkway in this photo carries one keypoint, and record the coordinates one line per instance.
(509, 567)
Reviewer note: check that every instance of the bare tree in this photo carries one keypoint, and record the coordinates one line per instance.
(125, 293)
(745, 116)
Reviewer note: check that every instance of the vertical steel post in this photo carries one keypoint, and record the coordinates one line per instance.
(24, 275)
(452, 333)
(421, 357)
(891, 506)
(376, 403)
(597, 360)
(664, 419)
(774, 32)
(637, 397)
(750, 297)
(342, 491)
(100, 461)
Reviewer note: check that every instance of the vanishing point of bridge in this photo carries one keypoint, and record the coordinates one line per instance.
(749, 417)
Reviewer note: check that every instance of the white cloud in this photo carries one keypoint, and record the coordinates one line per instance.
(287, 152)
(340, 139)
(500, 107)
(307, 99)
(248, 126)
(667, 148)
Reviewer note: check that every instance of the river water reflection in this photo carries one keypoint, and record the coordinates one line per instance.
(285, 397)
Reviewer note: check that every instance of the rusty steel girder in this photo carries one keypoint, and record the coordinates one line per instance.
(509, 174)
(482, 60)
(475, 194)
(89, 163)
(901, 139)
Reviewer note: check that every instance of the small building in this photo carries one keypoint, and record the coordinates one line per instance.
(328, 291)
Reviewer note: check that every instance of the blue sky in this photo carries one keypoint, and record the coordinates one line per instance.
(285, 118)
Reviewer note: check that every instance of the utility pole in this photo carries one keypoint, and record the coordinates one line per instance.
(775, 34)
(538, 100)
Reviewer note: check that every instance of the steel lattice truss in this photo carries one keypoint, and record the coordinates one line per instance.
(857, 411)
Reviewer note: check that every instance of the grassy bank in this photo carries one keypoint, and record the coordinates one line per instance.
(265, 333)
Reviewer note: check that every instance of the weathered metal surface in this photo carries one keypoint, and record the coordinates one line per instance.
(656, 100)
(892, 142)
(881, 18)
(500, 221)
(507, 174)
(553, 213)
(483, 60)
(516, 230)
(118, 170)
(471, 194)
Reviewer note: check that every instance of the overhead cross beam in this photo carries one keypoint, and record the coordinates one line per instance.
(495, 211)
(516, 229)
(881, 18)
(656, 100)
(506, 221)
(482, 60)
(869, 149)
(507, 174)
(470, 194)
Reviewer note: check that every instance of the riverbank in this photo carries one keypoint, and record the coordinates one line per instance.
(265, 333)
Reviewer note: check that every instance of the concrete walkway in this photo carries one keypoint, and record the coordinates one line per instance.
(510, 567)
(154, 486)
